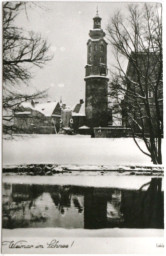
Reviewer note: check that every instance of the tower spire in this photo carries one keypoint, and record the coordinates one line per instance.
(97, 11)
(97, 19)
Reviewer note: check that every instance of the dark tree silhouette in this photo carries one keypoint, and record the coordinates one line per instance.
(20, 48)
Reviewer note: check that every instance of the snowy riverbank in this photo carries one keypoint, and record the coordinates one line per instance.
(61, 232)
(108, 180)
(77, 150)
(52, 169)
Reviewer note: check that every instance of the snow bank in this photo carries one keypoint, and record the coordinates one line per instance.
(60, 232)
(50, 169)
(65, 149)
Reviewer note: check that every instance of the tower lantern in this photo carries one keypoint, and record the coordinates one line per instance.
(97, 21)
(96, 79)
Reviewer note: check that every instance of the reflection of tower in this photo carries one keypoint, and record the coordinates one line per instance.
(95, 210)
(96, 76)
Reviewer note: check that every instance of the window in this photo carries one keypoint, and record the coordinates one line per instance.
(97, 24)
(102, 59)
(95, 47)
(90, 58)
(90, 48)
(150, 94)
(102, 71)
(102, 48)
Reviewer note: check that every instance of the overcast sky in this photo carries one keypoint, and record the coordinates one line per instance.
(66, 26)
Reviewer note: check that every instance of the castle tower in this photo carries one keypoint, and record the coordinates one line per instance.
(96, 103)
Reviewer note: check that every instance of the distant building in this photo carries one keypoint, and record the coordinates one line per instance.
(34, 117)
(72, 117)
(150, 66)
(48, 117)
(78, 115)
(66, 117)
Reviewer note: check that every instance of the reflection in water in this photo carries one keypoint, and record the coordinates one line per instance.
(82, 207)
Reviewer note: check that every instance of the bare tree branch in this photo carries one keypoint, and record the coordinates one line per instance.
(22, 50)
(138, 38)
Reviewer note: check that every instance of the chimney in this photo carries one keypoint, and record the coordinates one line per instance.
(81, 101)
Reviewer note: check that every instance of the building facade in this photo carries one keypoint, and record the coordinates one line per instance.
(47, 118)
(34, 117)
(72, 118)
(143, 100)
(96, 87)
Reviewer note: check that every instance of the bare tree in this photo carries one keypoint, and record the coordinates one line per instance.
(137, 39)
(21, 51)
(20, 48)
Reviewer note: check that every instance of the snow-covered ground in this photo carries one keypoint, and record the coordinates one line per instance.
(76, 149)
(61, 232)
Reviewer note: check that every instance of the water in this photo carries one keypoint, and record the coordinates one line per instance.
(26, 206)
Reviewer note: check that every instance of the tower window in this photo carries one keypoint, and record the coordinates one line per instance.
(102, 71)
(90, 58)
(90, 48)
(95, 47)
(102, 48)
(150, 94)
(101, 59)
(97, 24)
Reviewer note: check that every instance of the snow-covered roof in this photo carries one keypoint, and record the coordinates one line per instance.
(55, 115)
(98, 29)
(78, 110)
(97, 39)
(93, 40)
(84, 127)
(77, 114)
(67, 128)
(67, 109)
(46, 108)
(23, 113)
(96, 76)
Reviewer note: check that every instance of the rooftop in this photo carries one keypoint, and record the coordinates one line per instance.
(46, 108)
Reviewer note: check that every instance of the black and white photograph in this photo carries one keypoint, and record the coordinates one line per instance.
(82, 127)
